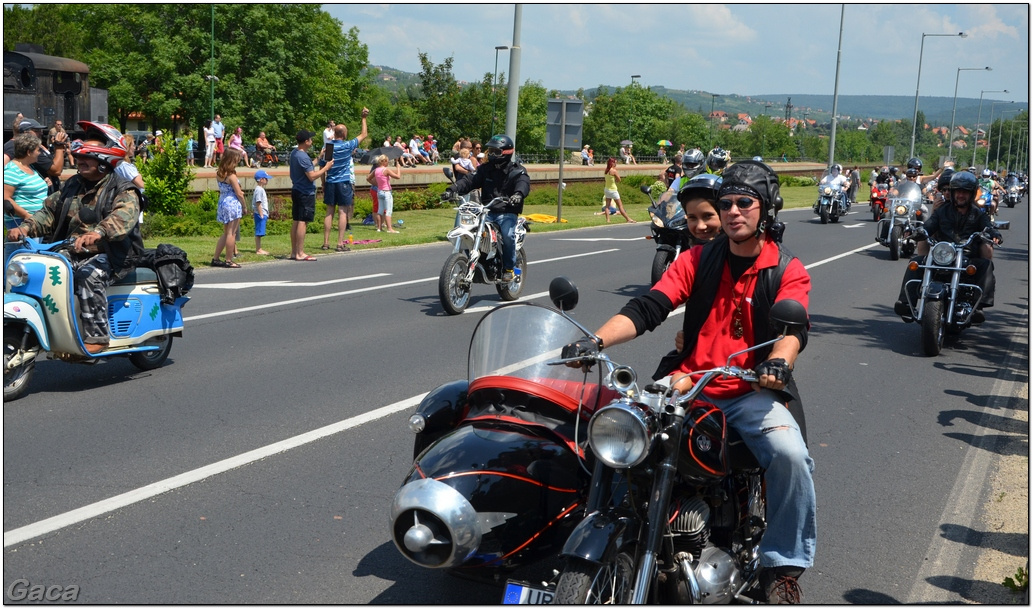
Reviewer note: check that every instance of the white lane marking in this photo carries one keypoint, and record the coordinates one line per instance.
(843, 255)
(61, 521)
(276, 284)
(858, 225)
(594, 239)
(294, 301)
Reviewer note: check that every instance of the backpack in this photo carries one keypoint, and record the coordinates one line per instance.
(174, 271)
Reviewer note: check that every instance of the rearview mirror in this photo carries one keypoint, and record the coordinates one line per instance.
(788, 314)
(448, 173)
(563, 294)
(645, 189)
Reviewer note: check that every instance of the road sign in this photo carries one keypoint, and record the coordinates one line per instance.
(564, 116)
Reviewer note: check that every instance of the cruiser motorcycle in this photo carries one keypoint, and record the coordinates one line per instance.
(41, 315)
(941, 302)
(831, 203)
(477, 255)
(670, 231)
(676, 508)
(906, 212)
(499, 477)
(1012, 191)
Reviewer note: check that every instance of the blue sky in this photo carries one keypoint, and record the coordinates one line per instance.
(719, 48)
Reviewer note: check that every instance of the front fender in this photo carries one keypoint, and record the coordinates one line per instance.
(21, 308)
(936, 290)
(600, 536)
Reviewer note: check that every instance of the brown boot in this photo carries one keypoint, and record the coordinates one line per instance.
(781, 588)
(94, 348)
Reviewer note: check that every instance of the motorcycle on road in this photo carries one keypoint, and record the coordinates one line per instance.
(905, 213)
(831, 203)
(499, 477)
(676, 508)
(477, 255)
(877, 200)
(1013, 191)
(41, 315)
(670, 231)
(941, 302)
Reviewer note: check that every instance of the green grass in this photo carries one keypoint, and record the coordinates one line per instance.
(581, 201)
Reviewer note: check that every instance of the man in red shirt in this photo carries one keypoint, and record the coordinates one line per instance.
(728, 286)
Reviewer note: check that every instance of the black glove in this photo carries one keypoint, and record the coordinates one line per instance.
(921, 234)
(997, 236)
(448, 195)
(516, 199)
(777, 368)
(581, 348)
(498, 205)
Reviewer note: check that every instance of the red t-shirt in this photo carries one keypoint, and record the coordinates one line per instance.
(716, 341)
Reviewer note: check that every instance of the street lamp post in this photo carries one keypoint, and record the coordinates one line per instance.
(914, 119)
(950, 136)
(1011, 134)
(997, 162)
(713, 96)
(631, 94)
(986, 161)
(494, 85)
(979, 116)
(211, 76)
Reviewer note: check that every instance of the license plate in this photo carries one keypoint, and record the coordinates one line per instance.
(523, 593)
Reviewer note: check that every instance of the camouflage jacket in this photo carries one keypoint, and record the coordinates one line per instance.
(111, 207)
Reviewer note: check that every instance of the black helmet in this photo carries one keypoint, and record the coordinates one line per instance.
(943, 182)
(964, 180)
(915, 163)
(755, 177)
(717, 159)
(912, 172)
(499, 150)
(894, 171)
(704, 185)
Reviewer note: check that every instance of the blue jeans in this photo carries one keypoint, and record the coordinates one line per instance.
(507, 226)
(773, 435)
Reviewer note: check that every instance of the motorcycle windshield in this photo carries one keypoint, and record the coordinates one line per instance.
(907, 192)
(670, 211)
(519, 340)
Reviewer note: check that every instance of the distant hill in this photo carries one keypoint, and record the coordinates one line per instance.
(937, 110)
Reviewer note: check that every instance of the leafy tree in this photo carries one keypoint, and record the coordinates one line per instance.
(531, 119)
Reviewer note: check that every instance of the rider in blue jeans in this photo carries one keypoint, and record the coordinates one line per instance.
(500, 175)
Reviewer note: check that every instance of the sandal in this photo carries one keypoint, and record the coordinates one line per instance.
(231, 265)
(326, 247)
(218, 263)
(306, 259)
(343, 248)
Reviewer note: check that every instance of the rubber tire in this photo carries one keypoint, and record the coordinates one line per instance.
(876, 215)
(512, 290)
(932, 327)
(895, 236)
(661, 261)
(16, 382)
(149, 360)
(453, 300)
(579, 578)
(824, 213)
(834, 218)
(1010, 203)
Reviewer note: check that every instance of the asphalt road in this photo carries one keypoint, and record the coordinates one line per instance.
(258, 465)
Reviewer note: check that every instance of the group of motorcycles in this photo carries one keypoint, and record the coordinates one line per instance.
(641, 491)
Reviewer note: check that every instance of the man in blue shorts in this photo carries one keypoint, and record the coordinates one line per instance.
(339, 191)
(303, 193)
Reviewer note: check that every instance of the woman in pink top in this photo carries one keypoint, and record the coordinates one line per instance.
(385, 201)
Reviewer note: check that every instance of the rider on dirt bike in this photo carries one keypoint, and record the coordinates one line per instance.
(101, 211)
(500, 175)
(956, 223)
(745, 264)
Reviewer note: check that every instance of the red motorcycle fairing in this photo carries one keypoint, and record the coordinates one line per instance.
(524, 475)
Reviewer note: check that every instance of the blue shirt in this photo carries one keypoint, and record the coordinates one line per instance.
(301, 164)
(342, 170)
(218, 129)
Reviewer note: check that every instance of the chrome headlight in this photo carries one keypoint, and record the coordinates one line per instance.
(828, 190)
(943, 254)
(16, 274)
(467, 220)
(657, 222)
(901, 210)
(621, 434)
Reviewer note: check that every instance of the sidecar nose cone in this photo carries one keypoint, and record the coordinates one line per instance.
(418, 538)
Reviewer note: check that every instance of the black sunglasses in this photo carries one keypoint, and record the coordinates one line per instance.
(743, 203)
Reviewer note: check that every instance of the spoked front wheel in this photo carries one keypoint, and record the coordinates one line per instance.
(587, 583)
(453, 290)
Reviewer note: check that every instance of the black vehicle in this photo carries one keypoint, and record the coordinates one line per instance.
(499, 478)
(676, 509)
(945, 303)
(48, 88)
(670, 231)
(905, 212)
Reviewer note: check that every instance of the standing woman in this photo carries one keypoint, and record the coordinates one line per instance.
(385, 200)
(610, 193)
(231, 208)
(209, 144)
(24, 190)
